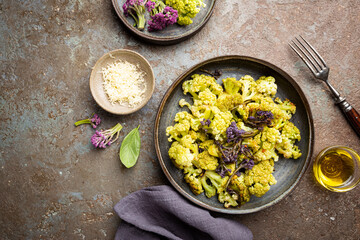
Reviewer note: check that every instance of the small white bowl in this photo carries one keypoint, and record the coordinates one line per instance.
(96, 80)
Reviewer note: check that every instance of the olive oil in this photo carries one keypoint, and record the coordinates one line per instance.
(337, 168)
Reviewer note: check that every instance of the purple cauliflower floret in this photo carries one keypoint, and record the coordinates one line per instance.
(261, 119)
(136, 9)
(155, 7)
(150, 5)
(104, 138)
(163, 19)
(233, 133)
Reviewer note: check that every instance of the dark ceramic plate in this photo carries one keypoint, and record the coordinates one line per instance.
(288, 172)
(172, 34)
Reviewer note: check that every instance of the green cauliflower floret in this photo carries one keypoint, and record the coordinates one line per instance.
(212, 183)
(211, 147)
(206, 97)
(248, 88)
(187, 9)
(188, 142)
(177, 131)
(204, 111)
(183, 103)
(238, 185)
(205, 161)
(253, 143)
(266, 86)
(193, 177)
(231, 85)
(228, 102)
(286, 106)
(269, 137)
(243, 111)
(229, 200)
(210, 190)
(181, 128)
(288, 149)
(216, 180)
(220, 123)
(286, 144)
(181, 156)
(259, 178)
(199, 83)
(290, 131)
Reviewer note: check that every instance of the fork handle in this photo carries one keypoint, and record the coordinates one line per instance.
(351, 114)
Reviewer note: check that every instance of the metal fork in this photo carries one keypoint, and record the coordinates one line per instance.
(319, 68)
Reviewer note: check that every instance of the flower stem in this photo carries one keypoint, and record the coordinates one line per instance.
(82, 122)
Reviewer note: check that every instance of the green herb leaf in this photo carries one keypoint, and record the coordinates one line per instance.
(130, 148)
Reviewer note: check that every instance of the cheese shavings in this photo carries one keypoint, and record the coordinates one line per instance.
(124, 83)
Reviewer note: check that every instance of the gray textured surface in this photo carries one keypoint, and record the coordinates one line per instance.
(54, 185)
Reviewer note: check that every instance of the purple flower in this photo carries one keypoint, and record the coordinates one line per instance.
(261, 119)
(104, 138)
(94, 121)
(222, 170)
(163, 19)
(150, 5)
(233, 133)
(205, 122)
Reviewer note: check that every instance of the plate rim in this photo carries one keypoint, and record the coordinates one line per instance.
(163, 40)
(179, 79)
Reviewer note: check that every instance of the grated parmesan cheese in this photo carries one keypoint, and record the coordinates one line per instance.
(124, 83)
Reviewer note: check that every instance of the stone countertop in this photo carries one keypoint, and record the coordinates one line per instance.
(55, 185)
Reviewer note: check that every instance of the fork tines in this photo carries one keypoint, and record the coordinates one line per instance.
(308, 54)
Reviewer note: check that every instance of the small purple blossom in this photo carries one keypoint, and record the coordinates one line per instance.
(155, 6)
(163, 19)
(222, 170)
(248, 163)
(94, 121)
(233, 133)
(261, 119)
(104, 138)
(205, 122)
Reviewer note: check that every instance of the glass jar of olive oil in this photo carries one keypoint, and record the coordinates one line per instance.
(337, 168)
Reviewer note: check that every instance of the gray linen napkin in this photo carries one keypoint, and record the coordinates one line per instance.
(160, 212)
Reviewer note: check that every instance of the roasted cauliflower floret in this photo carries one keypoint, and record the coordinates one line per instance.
(199, 83)
(248, 88)
(216, 180)
(266, 86)
(193, 177)
(238, 185)
(229, 200)
(268, 139)
(286, 144)
(259, 178)
(220, 123)
(205, 161)
(181, 156)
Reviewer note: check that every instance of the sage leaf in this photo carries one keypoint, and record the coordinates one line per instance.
(130, 148)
